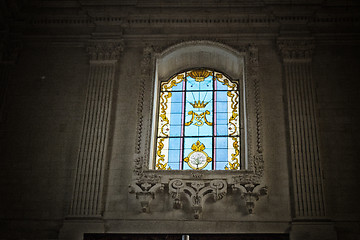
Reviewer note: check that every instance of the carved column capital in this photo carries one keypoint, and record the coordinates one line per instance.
(105, 50)
(296, 49)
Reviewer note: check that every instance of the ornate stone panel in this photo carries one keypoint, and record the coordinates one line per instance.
(87, 194)
(305, 156)
(197, 186)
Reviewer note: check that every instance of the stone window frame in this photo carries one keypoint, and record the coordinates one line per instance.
(198, 185)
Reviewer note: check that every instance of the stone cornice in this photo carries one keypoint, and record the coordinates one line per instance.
(105, 50)
(258, 19)
(296, 48)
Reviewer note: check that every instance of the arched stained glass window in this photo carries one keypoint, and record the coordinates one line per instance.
(198, 122)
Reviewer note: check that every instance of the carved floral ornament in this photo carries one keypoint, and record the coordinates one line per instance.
(197, 187)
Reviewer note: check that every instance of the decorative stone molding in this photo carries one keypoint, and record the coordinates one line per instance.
(235, 19)
(197, 186)
(145, 66)
(305, 157)
(105, 50)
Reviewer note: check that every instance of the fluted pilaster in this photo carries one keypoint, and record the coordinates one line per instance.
(305, 157)
(88, 189)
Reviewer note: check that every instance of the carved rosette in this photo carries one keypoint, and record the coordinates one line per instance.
(195, 187)
(105, 50)
(295, 50)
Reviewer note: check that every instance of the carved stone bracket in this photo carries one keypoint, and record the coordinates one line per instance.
(145, 193)
(196, 191)
(250, 193)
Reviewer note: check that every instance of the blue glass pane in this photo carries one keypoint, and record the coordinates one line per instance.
(221, 142)
(175, 130)
(220, 165)
(221, 106)
(173, 166)
(176, 107)
(221, 116)
(191, 84)
(207, 84)
(174, 143)
(176, 97)
(205, 130)
(221, 130)
(174, 156)
(221, 96)
(191, 130)
(222, 121)
(175, 119)
(221, 155)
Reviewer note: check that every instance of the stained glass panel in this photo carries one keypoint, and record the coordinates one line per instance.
(198, 123)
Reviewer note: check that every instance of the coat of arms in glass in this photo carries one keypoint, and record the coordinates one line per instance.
(198, 122)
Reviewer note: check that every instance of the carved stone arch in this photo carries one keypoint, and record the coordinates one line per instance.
(159, 64)
(195, 54)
